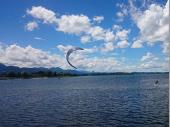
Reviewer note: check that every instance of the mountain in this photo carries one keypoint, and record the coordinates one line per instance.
(7, 69)
(4, 68)
(75, 72)
(57, 70)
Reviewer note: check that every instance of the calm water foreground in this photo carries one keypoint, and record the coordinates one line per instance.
(89, 101)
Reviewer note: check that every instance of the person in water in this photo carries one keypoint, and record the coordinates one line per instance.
(156, 82)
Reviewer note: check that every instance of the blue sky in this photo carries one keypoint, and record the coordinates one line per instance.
(117, 35)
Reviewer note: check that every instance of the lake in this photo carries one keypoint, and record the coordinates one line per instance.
(86, 101)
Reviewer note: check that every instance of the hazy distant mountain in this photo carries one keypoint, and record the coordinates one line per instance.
(56, 69)
(15, 69)
(6, 69)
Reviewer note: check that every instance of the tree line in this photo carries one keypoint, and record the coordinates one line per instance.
(13, 74)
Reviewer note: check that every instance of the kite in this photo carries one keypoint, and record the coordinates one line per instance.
(69, 53)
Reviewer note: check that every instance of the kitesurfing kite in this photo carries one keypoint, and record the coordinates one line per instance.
(69, 53)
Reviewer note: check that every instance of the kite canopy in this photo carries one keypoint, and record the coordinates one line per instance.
(69, 53)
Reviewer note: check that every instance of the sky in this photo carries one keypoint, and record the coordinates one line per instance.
(117, 35)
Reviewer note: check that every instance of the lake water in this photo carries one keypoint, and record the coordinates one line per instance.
(87, 101)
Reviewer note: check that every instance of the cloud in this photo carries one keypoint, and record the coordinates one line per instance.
(137, 44)
(153, 66)
(39, 38)
(153, 24)
(30, 26)
(85, 39)
(73, 24)
(42, 13)
(119, 14)
(79, 25)
(85, 59)
(90, 50)
(122, 34)
(116, 27)
(166, 48)
(99, 64)
(152, 20)
(123, 44)
(109, 36)
(98, 19)
(28, 57)
(149, 65)
(122, 13)
(148, 57)
(107, 47)
(97, 33)
(64, 48)
(149, 62)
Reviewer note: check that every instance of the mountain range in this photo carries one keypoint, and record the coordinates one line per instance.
(7, 69)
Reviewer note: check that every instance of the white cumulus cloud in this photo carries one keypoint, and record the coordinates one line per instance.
(116, 27)
(107, 47)
(98, 19)
(137, 44)
(85, 39)
(30, 26)
(148, 57)
(123, 44)
(16, 55)
(150, 62)
(153, 24)
(42, 13)
(122, 34)
(73, 24)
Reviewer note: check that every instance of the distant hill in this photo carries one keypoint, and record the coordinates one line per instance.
(55, 71)
(7, 69)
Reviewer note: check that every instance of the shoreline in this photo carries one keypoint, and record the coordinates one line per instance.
(97, 74)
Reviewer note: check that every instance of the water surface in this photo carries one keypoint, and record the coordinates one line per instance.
(88, 101)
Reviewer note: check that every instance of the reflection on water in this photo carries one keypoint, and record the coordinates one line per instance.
(96, 101)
